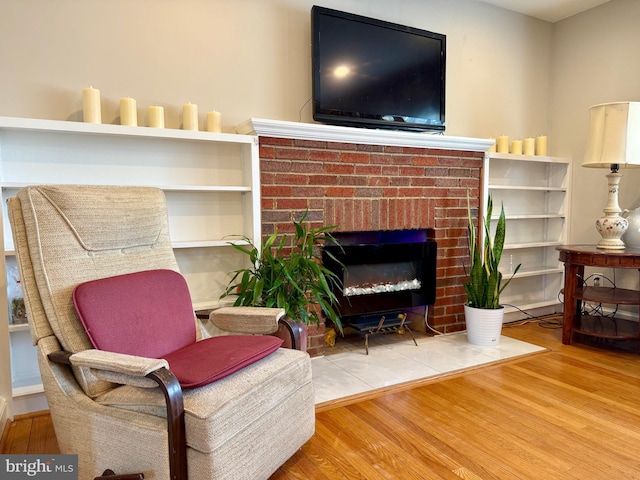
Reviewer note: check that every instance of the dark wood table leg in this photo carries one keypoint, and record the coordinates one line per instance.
(572, 279)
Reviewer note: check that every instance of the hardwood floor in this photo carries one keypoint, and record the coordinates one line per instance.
(32, 433)
(570, 412)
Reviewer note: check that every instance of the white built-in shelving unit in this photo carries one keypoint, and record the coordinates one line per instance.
(211, 182)
(534, 191)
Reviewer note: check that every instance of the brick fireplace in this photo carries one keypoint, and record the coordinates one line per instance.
(369, 180)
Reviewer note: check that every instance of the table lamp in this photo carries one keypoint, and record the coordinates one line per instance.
(614, 143)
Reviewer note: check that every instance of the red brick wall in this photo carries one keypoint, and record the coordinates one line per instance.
(372, 187)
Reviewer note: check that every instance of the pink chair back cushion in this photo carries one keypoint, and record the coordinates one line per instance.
(147, 313)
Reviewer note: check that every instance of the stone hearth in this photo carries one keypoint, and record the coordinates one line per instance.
(363, 180)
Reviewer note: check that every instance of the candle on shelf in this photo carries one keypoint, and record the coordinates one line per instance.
(492, 148)
(190, 116)
(541, 145)
(516, 147)
(529, 147)
(214, 121)
(156, 116)
(502, 145)
(91, 105)
(128, 112)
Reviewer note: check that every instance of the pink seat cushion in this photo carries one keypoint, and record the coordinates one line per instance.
(149, 314)
(214, 358)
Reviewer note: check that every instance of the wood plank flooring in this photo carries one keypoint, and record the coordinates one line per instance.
(31, 433)
(572, 412)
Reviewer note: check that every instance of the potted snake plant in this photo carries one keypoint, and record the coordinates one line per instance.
(288, 273)
(483, 312)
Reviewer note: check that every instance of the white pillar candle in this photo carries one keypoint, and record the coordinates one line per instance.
(541, 145)
(214, 121)
(128, 112)
(190, 116)
(91, 105)
(529, 146)
(516, 147)
(156, 116)
(492, 148)
(503, 144)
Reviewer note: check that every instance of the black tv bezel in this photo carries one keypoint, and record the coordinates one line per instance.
(356, 119)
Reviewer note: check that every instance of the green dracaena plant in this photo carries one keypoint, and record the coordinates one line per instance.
(288, 275)
(484, 284)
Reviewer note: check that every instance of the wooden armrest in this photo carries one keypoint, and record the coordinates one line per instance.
(175, 421)
(60, 357)
(176, 432)
(293, 334)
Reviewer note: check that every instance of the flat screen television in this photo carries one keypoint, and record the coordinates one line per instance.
(376, 74)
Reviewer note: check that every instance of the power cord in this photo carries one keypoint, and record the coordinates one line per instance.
(596, 309)
(302, 108)
(545, 320)
(551, 320)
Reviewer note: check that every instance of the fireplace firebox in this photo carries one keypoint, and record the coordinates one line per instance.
(382, 273)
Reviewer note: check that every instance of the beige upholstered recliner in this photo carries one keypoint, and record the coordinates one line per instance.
(128, 413)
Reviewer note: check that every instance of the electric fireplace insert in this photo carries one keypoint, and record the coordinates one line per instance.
(381, 272)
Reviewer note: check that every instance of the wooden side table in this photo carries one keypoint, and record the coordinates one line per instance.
(575, 258)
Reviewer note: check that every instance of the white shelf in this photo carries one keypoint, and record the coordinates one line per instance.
(532, 272)
(206, 305)
(527, 188)
(166, 188)
(64, 127)
(18, 328)
(535, 194)
(529, 158)
(33, 389)
(516, 246)
(180, 245)
(208, 244)
(531, 216)
(211, 182)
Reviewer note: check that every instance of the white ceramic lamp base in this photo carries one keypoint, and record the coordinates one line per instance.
(611, 229)
(612, 226)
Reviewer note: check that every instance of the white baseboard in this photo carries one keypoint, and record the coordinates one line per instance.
(29, 403)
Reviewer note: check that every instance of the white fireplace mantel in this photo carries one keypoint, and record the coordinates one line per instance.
(331, 133)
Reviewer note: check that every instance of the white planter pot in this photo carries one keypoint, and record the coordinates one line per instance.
(484, 326)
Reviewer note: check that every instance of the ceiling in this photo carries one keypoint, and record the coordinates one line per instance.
(549, 10)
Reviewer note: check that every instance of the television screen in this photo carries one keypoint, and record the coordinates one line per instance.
(373, 73)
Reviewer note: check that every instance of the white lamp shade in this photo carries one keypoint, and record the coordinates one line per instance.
(614, 135)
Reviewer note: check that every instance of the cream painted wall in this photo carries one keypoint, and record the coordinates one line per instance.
(251, 58)
(594, 61)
